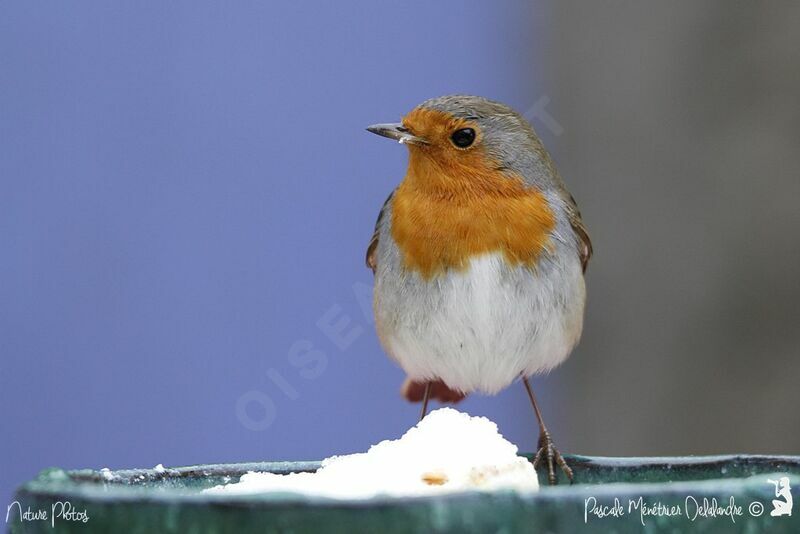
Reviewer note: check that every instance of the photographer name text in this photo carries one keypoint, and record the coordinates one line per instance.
(693, 509)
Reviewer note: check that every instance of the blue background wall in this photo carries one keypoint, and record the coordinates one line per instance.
(186, 190)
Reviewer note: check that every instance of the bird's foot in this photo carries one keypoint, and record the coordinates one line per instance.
(548, 453)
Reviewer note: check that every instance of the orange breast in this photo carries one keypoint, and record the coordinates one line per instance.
(444, 213)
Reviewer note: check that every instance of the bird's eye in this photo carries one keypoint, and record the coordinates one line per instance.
(463, 138)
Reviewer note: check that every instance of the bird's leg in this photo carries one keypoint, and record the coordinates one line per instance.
(425, 401)
(547, 450)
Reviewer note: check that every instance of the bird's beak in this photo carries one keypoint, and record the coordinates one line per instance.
(398, 132)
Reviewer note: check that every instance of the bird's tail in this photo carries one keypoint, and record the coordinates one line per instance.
(414, 391)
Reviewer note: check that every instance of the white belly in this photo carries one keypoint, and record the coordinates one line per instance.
(481, 329)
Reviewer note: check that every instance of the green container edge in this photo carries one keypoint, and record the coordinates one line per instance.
(169, 500)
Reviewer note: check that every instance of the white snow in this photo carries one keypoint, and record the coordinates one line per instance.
(446, 452)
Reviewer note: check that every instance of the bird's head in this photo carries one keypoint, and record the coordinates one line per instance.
(469, 143)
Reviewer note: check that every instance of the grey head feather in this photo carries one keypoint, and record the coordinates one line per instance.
(507, 137)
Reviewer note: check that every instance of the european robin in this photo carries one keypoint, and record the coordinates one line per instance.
(479, 257)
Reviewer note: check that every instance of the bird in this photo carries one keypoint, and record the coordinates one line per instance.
(478, 258)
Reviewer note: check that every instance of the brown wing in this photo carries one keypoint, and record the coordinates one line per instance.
(372, 249)
(580, 230)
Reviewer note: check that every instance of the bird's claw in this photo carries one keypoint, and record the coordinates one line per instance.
(548, 452)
